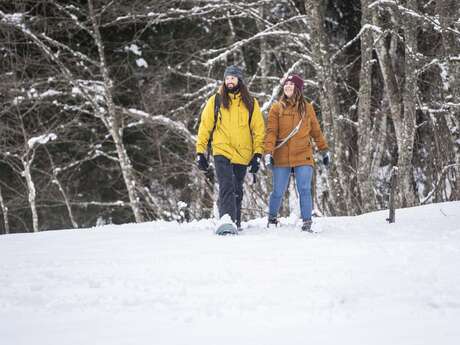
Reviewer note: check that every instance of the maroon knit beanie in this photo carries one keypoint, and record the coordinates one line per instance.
(298, 82)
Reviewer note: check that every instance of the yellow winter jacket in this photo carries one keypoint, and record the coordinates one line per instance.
(232, 136)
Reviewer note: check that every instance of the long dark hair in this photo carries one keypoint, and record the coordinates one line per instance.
(296, 99)
(248, 100)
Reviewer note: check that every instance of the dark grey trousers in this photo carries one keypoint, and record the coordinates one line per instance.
(230, 178)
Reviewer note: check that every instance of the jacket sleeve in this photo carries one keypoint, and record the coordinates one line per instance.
(206, 125)
(271, 134)
(316, 132)
(257, 129)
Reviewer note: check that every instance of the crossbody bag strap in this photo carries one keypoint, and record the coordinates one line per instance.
(290, 135)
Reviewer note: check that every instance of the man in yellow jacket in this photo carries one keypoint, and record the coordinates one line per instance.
(237, 137)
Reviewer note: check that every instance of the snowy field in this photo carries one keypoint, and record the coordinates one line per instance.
(359, 281)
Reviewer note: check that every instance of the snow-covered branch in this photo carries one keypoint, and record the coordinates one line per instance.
(269, 32)
(161, 120)
(357, 37)
(433, 21)
(438, 182)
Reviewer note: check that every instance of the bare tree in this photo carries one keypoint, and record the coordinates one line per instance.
(4, 208)
(404, 121)
(329, 101)
(448, 11)
(112, 119)
(21, 159)
(365, 172)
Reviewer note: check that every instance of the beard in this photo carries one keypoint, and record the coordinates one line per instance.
(232, 88)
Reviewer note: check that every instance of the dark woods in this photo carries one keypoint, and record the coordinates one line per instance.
(100, 102)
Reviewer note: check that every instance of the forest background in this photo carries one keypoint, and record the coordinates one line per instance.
(100, 103)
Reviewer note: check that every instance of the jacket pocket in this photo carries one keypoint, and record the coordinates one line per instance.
(281, 155)
(243, 119)
(245, 153)
(300, 145)
(301, 139)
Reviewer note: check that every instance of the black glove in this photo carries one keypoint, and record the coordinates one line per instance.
(202, 162)
(326, 157)
(255, 162)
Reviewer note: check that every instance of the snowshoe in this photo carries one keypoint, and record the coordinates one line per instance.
(226, 229)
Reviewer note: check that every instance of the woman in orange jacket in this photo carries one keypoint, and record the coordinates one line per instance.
(292, 123)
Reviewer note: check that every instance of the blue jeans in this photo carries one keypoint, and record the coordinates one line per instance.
(303, 175)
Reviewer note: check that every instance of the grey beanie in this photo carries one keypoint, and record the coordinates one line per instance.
(234, 71)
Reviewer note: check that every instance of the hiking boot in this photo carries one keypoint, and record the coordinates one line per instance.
(272, 222)
(306, 226)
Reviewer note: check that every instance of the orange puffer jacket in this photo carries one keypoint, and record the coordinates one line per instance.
(298, 150)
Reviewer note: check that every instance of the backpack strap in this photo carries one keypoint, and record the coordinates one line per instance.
(216, 110)
(216, 115)
(251, 110)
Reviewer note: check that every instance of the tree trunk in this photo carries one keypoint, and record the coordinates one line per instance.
(5, 213)
(379, 137)
(328, 96)
(61, 189)
(404, 123)
(264, 63)
(365, 140)
(26, 162)
(407, 197)
(112, 122)
(451, 44)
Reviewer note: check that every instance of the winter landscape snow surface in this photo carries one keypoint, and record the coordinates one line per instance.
(359, 280)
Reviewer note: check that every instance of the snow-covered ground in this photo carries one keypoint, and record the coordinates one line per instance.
(359, 281)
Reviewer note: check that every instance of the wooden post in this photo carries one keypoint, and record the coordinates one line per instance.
(5, 213)
(391, 202)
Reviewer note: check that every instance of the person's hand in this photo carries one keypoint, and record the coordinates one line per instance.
(268, 160)
(202, 162)
(255, 163)
(326, 157)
